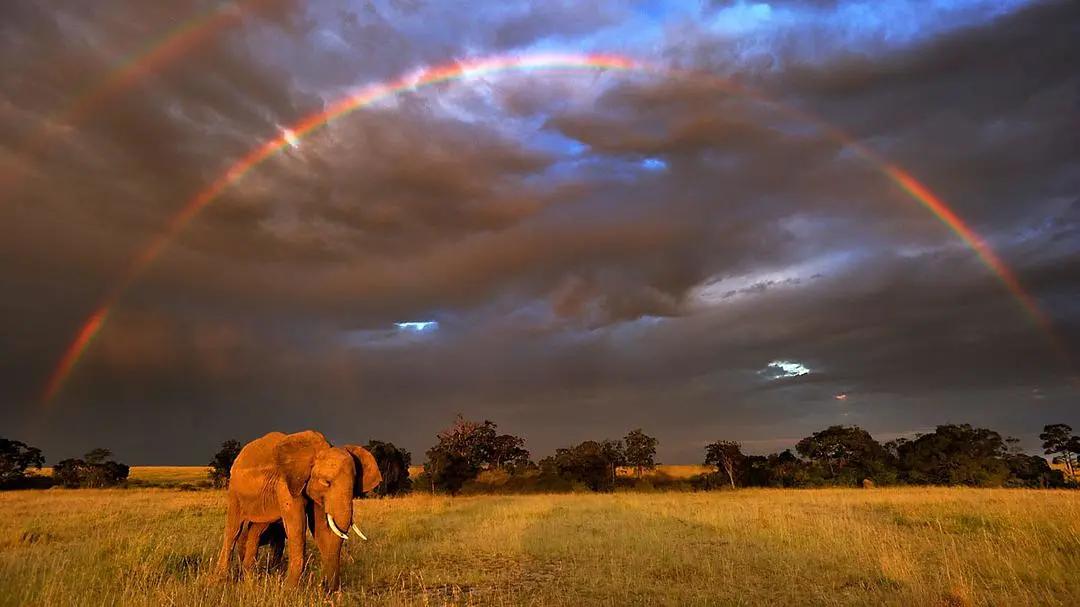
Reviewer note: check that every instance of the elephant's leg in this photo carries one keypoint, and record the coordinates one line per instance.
(329, 550)
(295, 528)
(275, 537)
(249, 545)
(241, 540)
(232, 530)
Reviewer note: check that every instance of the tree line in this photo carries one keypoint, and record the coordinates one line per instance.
(467, 448)
(953, 454)
(94, 469)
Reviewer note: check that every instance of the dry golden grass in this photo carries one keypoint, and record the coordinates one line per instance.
(168, 475)
(905, 546)
(156, 475)
(668, 471)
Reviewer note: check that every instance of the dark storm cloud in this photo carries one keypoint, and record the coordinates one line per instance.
(1015, 143)
(601, 253)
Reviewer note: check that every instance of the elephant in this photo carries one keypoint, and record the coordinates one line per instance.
(298, 481)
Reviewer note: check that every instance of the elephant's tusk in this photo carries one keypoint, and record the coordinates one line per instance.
(334, 528)
(358, 532)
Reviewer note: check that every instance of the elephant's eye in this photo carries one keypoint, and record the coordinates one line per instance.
(324, 482)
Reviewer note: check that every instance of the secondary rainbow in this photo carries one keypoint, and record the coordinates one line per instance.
(478, 67)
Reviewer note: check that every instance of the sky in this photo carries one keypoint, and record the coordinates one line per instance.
(569, 253)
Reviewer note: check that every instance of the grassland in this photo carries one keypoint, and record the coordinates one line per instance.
(923, 546)
(168, 475)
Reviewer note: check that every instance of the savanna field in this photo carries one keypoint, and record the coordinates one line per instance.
(896, 546)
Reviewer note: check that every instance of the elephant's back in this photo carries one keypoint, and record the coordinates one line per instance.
(258, 453)
(253, 476)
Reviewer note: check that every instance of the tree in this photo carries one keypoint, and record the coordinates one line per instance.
(15, 458)
(1032, 471)
(847, 454)
(589, 463)
(470, 440)
(394, 465)
(68, 472)
(726, 455)
(508, 452)
(615, 454)
(448, 471)
(1073, 446)
(640, 451)
(1058, 440)
(221, 464)
(466, 448)
(955, 455)
(91, 471)
(105, 474)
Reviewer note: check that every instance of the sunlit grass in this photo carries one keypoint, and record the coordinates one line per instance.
(155, 475)
(905, 546)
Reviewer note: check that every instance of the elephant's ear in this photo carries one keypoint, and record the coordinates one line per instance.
(367, 469)
(294, 457)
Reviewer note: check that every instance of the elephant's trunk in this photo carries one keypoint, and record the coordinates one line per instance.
(334, 527)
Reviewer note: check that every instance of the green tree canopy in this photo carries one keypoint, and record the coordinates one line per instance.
(846, 454)
(466, 448)
(1059, 441)
(640, 450)
(590, 463)
(727, 456)
(15, 458)
(955, 454)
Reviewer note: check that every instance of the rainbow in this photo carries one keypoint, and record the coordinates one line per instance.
(172, 46)
(949, 217)
(373, 93)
